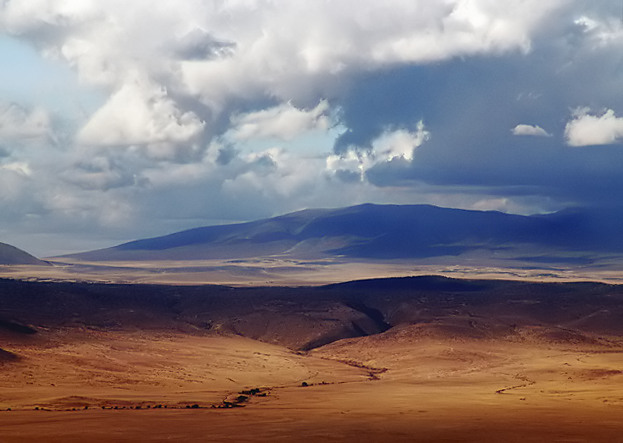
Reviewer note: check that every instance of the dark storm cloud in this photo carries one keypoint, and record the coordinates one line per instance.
(470, 108)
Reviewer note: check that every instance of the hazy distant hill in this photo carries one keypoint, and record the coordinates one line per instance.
(382, 232)
(10, 255)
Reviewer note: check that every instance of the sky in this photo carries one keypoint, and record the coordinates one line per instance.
(125, 119)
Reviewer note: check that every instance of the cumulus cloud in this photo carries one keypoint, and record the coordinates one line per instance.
(284, 122)
(349, 165)
(593, 129)
(532, 130)
(16, 188)
(212, 54)
(18, 124)
(142, 114)
(100, 173)
(399, 143)
(391, 145)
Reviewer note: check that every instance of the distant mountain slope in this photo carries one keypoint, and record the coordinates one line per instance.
(379, 232)
(10, 255)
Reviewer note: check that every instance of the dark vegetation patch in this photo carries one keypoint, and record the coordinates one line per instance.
(14, 326)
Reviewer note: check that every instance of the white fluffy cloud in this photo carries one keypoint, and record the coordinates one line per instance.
(592, 129)
(400, 143)
(532, 130)
(284, 122)
(142, 114)
(392, 144)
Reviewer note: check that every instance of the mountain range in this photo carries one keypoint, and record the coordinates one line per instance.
(381, 232)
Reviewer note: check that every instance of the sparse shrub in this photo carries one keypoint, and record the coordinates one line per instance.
(304, 384)
(253, 391)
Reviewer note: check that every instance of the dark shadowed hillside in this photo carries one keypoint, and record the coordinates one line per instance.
(309, 317)
(10, 255)
(384, 232)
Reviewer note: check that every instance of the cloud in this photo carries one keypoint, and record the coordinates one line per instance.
(284, 122)
(142, 114)
(226, 154)
(21, 168)
(601, 31)
(350, 165)
(201, 45)
(532, 130)
(18, 124)
(100, 173)
(392, 145)
(399, 143)
(590, 129)
(213, 54)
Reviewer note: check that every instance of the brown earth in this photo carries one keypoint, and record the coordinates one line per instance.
(408, 360)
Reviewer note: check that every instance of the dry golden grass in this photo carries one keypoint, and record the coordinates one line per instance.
(408, 384)
(78, 368)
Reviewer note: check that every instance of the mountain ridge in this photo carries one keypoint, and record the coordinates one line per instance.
(379, 232)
